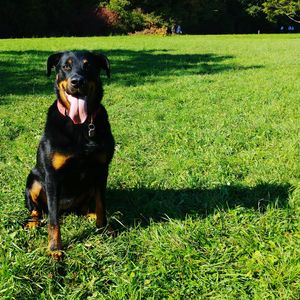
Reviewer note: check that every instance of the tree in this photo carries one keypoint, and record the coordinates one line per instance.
(288, 8)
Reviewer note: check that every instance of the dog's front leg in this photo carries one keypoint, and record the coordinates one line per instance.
(100, 210)
(54, 237)
(101, 183)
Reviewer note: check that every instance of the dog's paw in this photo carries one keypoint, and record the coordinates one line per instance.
(110, 231)
(107, 230)
(91, 216)
(32, 224)
(56, 254)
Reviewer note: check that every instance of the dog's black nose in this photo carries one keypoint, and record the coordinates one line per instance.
(77, 81)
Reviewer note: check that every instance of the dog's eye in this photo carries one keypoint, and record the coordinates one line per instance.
(85, 65)
(67, 67)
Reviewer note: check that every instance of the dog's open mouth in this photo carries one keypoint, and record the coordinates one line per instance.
(78, 108)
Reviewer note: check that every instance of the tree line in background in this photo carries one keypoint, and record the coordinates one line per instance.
(27, 18)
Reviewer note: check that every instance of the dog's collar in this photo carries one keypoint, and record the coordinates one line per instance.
(63, 111)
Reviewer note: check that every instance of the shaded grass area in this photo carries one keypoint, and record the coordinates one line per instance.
(204, 186)
(26, 75)
(142, 206)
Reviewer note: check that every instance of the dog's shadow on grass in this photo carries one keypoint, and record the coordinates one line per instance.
(128, 208)
(24, 72)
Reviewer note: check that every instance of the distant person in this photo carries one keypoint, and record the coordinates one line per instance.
(178, 30)
(282, 29)
(289, 28)
(173, 29)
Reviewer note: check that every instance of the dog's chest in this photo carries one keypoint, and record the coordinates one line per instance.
(85, 161)
(79, 175)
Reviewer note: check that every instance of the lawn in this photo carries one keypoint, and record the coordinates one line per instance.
(204, 188)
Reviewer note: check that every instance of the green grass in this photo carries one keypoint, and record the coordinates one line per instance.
(204, 186)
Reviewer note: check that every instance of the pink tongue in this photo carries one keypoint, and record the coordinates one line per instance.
(78, 109)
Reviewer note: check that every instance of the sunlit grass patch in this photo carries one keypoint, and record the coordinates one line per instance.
(204, 186)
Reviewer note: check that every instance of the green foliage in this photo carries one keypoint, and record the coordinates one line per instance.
(93, 17)
(252, 7)
(288, 8)
(194, 16)
(204, 186)
(131, 19)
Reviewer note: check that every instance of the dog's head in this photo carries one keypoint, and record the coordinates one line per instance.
(77, 84)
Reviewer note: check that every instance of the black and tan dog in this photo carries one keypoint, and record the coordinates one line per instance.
(76, 148)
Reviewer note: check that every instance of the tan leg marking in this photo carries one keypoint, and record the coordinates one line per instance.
(54, 242)
(91, 216)
(34, 222)
(35, 191)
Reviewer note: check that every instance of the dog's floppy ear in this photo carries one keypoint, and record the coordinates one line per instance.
(103, 63)
(52, 61)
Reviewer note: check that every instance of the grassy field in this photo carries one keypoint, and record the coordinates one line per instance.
(204, 187)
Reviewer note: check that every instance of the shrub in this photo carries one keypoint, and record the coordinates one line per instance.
(110, 18)
(121, 17)
(163, 31)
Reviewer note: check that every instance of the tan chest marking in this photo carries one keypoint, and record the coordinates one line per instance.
(59, 160)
